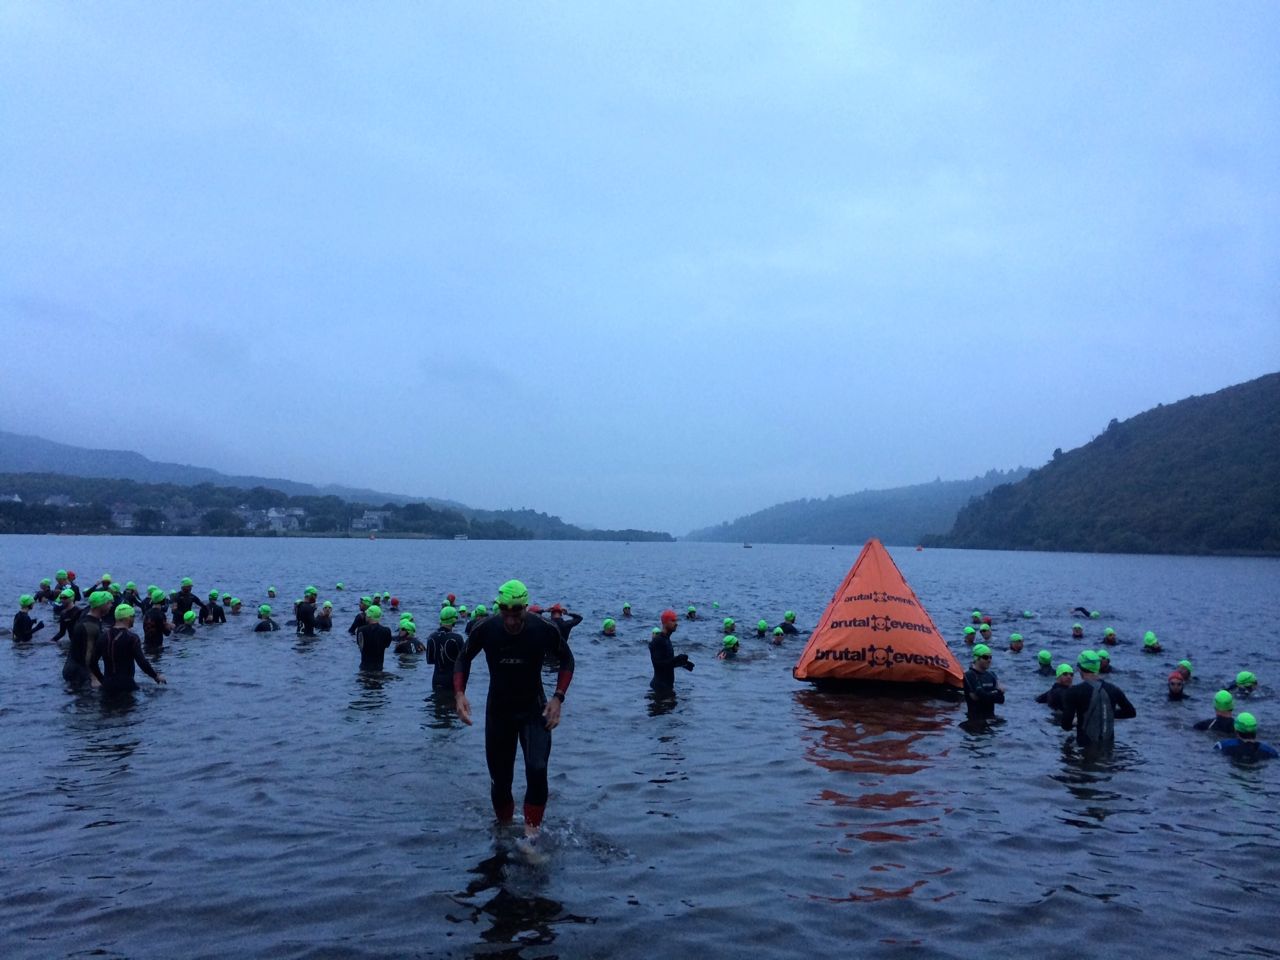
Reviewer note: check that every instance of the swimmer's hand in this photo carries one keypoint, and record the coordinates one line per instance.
(160, 678)
(688, 664)
(463, 706)
(552, 713)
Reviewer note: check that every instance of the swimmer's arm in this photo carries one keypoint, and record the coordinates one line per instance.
(574, 618)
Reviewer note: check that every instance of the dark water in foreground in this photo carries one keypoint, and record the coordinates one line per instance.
(272, 803)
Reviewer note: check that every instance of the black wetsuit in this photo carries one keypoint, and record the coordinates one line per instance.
(443, 648)
(1216, 725)
(44, 594)
(183, 601)
(1250, 751)
(265, 626)
(67, 618)
(212, 614)
(789, 628)
(184, 630)
(473, 623)
(566, 623)
(118, 651)
(357, 623)
(69, 585)
(24, 627)
(513, 711)
(373, 639)
(664, 659)
(83, 650)
(1096, 714)
(306, 614)
(1055, 696)
(131, 598)
(324, 621)
(155, 626)
(1047, 670)
(981, 694)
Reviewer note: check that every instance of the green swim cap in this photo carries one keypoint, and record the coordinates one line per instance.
(156, 594)
(1104, 654)
(264, 610)
(366, 600)
(46, 582)
(692, 609)
(406, 615)
(778, 632)
(235, 601)
(1245, 679)
(186, 581)
(115, 589)
(789, 616)
(60, 575)
(1186, 664)
(981, 650)
(609, 622)
(462, 610)
(1028, 614)
(213, 594)
(386, 594)
(106, 578)
(310, 592)
(728, 621)
(1109, 632)
(373, 613)
(124, 611)
(1015, 638)
(977, 614)
(26, 600)
(131, 585)
(730, 641)
(1089, 661)
(762, 625)
(1063, 669)
(328, 605)
(1044, 656)
(626, 606)
(513, 593)
(984, 628)
(1223, 700)
(1246, 723)
(271, 589)
(1094, 615)
(969, 631)
(409, 627)
(1149, 639)
(656, 631)
(448, 614)
(480, 610)
(189, 617)
(100, 598)
(67, 594)
(1077, 626)
(339, 586)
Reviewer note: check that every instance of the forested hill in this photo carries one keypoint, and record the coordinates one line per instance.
(902, 515)
(1198, 476)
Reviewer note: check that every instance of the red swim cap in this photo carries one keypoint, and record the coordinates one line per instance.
(535, 609)
(556, 608)
(71, 574)
(669, 616)
(1177, 675)
(395, 601)
(451, 598)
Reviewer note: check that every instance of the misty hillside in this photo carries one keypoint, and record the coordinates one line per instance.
(901, 515)
(23, 454)
(1198, 476)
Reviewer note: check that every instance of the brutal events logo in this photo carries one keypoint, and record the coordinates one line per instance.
(882, 657)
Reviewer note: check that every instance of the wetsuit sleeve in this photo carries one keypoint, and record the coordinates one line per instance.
(1044, 697)
(1069, 709)
(431, 649)
(1202, 725)
(574, 620)
(93, 657)
(1124, 710)
(658, 655)
(143, 663)
(565, 655)
(354, 623)
(462, 666)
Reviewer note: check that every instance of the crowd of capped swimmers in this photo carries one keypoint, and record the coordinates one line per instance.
(1081, 697)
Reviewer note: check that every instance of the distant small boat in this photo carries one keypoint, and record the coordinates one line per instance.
(460, 536)
(746, 546)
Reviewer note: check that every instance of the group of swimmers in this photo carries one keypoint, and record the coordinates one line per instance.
(1093, 704)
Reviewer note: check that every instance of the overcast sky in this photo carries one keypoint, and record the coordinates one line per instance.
(637, 265)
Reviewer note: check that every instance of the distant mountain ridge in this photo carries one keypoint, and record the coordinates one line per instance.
(28, 454)
(1198, 476)
(899, 515)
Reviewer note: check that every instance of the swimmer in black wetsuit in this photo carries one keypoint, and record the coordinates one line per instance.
(762, 629)
(788, 623)
(1056, 694)
(558, 616)
(373, 639)
(664, 658)
(626, 610)
(1045, 661)
(265, 624)
(187, 628)
(185, 599)
(359, 621)
(478, 614)
(213, 612)
(515, 644)
(24, 627)
(66, 582)
(306, 613)
(982, 690)
(609, 628)
(1096, 703)
(324, 617)
(407, 639)
(1245, 685)
(67, 614)
(155, 624)
(119, 649)
(84, 640)
(1223, 715)
(1176, 683)
(728, 648)
(444, 646)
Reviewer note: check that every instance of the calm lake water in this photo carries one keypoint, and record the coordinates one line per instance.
(272, 802)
